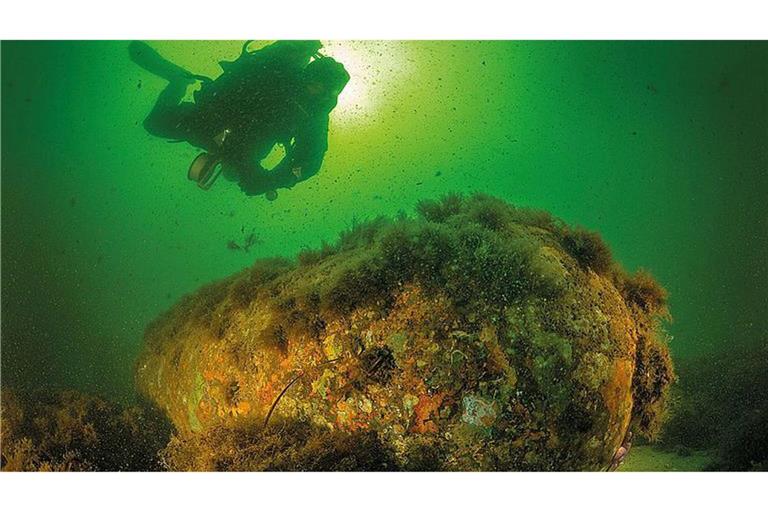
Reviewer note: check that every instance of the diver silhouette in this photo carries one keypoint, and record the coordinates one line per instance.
(281, 94)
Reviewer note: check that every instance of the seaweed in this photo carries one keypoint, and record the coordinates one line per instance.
(589, 249)
(308, 257)
(458, 247)
(440, 210)
(642, 289)
(650, 385)
(70, 431)
(720, 404)
(291, 446)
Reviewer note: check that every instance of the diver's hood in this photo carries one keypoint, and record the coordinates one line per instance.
(327, 70)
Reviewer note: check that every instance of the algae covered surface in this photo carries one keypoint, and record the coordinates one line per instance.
(476, 336)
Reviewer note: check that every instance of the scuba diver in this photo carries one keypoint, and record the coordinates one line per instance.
(281, 94)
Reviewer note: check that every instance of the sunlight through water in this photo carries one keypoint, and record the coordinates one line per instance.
(374, 67)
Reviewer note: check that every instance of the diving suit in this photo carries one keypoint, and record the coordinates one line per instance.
(281, 94)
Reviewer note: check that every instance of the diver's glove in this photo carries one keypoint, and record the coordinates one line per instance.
(253, 182)
(256, 181)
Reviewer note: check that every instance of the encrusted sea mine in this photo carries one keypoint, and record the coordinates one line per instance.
(476, 336)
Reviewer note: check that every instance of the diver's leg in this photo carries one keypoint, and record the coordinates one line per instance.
(169, 116)
(148, 58)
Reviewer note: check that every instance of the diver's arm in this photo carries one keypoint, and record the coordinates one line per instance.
(308, 150)
(253, 180)
(241, 166)
(302, 161)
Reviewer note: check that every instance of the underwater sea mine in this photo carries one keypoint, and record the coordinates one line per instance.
(474, 336)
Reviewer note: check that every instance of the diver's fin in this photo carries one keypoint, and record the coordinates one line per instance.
(148, 58)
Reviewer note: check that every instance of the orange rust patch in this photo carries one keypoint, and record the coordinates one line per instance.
(213, 375)
(496, 355)
(424, 411)
(616, 390)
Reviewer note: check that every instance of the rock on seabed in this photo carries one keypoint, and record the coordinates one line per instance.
(473, 336)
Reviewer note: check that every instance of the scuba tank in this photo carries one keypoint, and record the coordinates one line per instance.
(249, 68)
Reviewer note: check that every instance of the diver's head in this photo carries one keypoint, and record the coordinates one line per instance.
(324, 79)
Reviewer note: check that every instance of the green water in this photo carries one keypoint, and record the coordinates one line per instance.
(661, 147)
